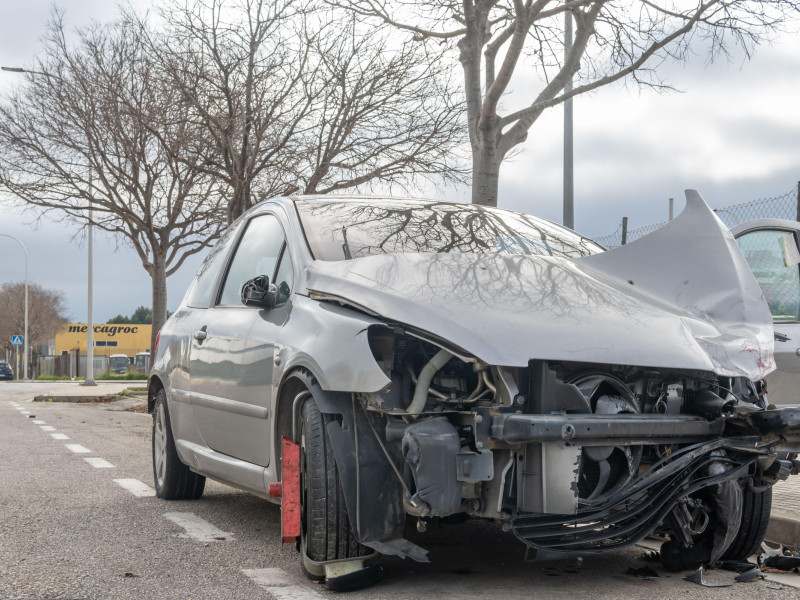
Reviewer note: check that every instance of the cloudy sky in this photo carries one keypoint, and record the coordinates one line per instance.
(733, 133)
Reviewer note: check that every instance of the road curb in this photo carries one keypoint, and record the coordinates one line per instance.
(783, 529)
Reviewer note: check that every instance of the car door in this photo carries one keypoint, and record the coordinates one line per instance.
(237, 351)
(770, 247)
(184, 333)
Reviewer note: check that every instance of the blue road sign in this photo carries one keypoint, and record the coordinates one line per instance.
(16, 340)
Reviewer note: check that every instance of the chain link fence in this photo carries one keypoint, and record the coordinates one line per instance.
(786, 206)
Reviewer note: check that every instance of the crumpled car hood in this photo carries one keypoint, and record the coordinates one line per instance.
(681, 298)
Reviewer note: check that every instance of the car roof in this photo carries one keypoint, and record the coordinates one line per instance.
(341, 198)
(765, 224)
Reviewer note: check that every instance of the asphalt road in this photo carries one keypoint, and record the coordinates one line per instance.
(75, 524)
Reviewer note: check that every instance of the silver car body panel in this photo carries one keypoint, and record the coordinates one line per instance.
(650, 303)
(227, 469)
(348, 365)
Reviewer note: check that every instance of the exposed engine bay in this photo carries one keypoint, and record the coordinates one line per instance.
(571, 457)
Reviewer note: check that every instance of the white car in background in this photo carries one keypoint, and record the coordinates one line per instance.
(770, 247)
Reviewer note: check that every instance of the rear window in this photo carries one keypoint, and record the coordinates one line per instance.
(340, 229)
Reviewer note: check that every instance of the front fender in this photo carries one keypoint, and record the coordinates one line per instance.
(331, 342)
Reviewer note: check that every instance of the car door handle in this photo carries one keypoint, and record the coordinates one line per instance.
(200, 334)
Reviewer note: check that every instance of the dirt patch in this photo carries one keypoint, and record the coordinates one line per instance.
(77, 399)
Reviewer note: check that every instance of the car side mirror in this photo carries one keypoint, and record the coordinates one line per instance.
(259, 292)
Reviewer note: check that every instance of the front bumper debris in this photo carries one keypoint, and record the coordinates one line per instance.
(585, 429)
(778, 429)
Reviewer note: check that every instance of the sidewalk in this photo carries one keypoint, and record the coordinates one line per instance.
(784, 524)
(24, 391)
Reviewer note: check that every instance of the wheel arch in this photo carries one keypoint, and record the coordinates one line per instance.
(287, 414)
(154, 386)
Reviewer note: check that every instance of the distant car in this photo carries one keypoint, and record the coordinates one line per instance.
(6, 372)
(770, 247)
(368, 360)
(118, 364)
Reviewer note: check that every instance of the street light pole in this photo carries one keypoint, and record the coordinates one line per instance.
(25, 353)
(569, 200)
(90, 329)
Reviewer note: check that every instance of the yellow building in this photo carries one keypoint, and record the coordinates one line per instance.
(108, 339)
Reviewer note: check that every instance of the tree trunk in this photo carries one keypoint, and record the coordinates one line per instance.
(158, 275)
(485, 177)
(240, 201)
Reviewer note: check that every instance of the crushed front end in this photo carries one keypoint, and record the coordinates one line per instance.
(571, 457)
(581, 402)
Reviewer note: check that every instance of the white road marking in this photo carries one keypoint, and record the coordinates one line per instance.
(20, 407)
(98, 463)
(47, 428)
(24, 412)
(59, 436)
(198, 528)
(280, 585)
(40, 422)
(136, 487)
(78, 449)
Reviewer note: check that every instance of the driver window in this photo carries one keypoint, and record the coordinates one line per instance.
(257, 254)
(771, 254)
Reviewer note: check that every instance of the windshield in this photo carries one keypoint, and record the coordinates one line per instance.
(118, 361)
(343, 229)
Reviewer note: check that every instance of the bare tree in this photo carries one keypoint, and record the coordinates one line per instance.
(46, 313)
(613, 40)
(94, 130)
(303, 100)
(382, 110)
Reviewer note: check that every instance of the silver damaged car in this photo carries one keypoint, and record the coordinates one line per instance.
(365, 361)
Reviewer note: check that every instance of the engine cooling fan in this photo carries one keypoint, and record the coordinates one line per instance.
(606, 469)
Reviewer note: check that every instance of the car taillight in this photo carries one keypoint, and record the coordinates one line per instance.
(155, 348)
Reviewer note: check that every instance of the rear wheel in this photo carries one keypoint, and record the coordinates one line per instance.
(327, 534)
(173, 479)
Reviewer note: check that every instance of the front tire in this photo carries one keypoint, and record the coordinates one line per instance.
(756, 508)
(173, 479)
(327, 534)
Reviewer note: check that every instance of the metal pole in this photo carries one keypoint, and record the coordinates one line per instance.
(90, 329)
(25, 354)
(671, 206)
(569, 196)
(798, 200)
(624, 230)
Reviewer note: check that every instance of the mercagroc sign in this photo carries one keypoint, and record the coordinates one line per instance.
(110, 330)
